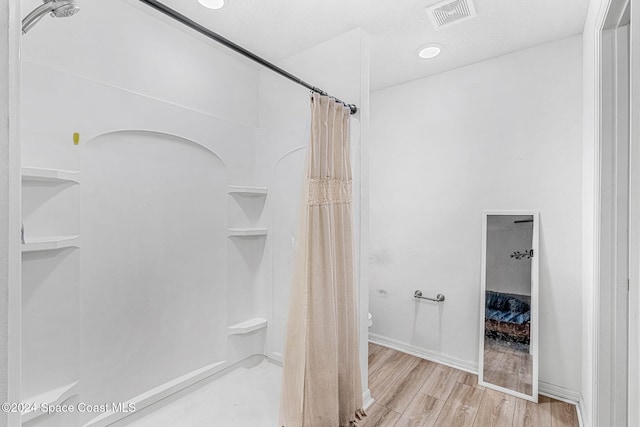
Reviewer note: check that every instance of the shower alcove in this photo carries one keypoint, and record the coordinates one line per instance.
(168, 271)
(158, 248)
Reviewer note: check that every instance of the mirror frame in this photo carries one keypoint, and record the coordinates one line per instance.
(535, 273)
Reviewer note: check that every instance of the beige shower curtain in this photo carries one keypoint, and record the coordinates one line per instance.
(321, 376)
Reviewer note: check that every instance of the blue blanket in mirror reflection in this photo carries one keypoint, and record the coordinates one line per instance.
(507, 308)
(507, 318)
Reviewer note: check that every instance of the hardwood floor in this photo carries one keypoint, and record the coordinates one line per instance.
(412, 392)
(508, 368)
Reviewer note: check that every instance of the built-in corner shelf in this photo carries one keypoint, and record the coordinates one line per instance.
(247, 191)
(52, 397)
(240, 232)
(50, 175)
(50, 243)
(248, 326)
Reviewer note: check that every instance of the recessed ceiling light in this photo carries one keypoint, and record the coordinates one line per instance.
(212, 4)
(430, 51)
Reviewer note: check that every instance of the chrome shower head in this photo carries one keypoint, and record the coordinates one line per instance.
(55, 8)
(65, 9)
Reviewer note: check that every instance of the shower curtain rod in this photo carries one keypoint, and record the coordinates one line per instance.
(159, 6)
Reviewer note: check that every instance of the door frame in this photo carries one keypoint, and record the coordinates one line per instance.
(612, 294)
(634, 218)
(609, 253)
(10, 209)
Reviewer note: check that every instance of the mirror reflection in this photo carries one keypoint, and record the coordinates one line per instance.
(508, 353)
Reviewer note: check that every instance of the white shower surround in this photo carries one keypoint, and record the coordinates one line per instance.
(123, 108)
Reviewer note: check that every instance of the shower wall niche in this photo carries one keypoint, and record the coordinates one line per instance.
(50, 283)
(246, 242)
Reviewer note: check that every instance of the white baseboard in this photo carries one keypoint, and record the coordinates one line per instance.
(581, 415)
(546, 389)
(443, 359)
(559, 393)
(367, 400)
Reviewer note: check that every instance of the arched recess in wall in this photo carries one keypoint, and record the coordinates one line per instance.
(154, 287)
(285, 193)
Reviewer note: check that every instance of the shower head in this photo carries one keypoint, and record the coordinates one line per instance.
(65, 9)
(55, 8)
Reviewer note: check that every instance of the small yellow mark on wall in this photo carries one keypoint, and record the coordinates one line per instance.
(76, 138)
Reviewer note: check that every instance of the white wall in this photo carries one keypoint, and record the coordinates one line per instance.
(116, 43)
(504, 273)
(504, 134)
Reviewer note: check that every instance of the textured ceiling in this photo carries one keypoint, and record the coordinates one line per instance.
(276, 29)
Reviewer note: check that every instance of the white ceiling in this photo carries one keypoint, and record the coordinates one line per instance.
(277, 29)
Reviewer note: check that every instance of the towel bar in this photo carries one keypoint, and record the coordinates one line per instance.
(438, 298)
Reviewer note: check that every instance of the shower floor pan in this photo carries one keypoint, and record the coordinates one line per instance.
(248, 396)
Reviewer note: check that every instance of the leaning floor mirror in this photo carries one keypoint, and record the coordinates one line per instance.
(509, 306)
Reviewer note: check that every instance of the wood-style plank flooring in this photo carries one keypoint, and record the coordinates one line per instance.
(508, 368)
(413, 392)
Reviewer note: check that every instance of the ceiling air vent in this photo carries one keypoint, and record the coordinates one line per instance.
(450, 12)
